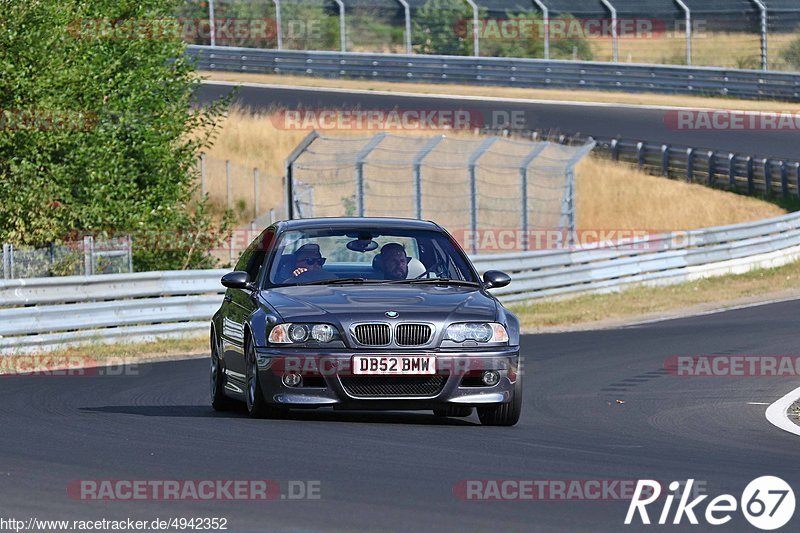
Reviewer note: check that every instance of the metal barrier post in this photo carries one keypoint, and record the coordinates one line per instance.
(407, 31)
(614, 33)
(712, 168)
(545, 26)
(476, 41)
(7, 264)
(767, 165)
(688, 14)
(423, 153)
(784, 180)
(88, 255)
(342, 26)
(523, 190)
(732, 172)
(665, 160)
(211, 29)
(278, 29)
(762, 9)
(473, 189)
(360, 159)
(690, 165)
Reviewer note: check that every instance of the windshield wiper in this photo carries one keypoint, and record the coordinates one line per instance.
(334, 281)
(446, 281)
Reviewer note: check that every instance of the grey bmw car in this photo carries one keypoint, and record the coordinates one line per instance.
(364, 313)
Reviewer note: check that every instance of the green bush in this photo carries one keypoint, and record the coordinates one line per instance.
(791, 55)
(97, 133)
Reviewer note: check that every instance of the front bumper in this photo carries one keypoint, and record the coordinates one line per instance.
(328, 380)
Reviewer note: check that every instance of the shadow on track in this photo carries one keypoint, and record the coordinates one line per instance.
(322, 415)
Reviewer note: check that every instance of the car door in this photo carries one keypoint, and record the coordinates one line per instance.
(242, 303)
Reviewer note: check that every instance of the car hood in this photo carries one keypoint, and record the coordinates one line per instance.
(348, 304)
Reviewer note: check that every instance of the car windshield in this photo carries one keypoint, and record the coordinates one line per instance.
(356, 255)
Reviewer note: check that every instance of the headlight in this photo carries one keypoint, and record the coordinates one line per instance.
(299, 333)
(476, 331)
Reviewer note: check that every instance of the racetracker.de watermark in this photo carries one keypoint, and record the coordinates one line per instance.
(726, 120)
(378, 119)
(19, 120)
(193, 489)
(564, 28)
(729, 366)
(44, 365)
(623, 239)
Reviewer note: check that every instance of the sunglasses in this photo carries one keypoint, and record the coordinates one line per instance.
(314, 261)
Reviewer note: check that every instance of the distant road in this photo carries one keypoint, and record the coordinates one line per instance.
(599, 120)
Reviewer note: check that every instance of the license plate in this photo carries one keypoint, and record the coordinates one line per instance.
(394, 364)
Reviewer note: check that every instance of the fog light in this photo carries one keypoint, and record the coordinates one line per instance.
(490, 377)
(292, 379)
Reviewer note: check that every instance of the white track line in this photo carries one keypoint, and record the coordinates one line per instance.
(777, 412)
(568, 103)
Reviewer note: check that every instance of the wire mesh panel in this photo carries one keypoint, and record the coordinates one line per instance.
(473, 186)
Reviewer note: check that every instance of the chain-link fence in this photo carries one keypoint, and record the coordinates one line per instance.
(86, 257)
(468, 185)
(722, 33)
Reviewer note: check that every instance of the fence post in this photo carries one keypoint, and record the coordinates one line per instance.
(211, 28)
(228, 195)
(640, 154)
(784, 180)
(473, 189)
(88, 255)
(255, 193)
(288, 178)
(712, 168)
(614, 32)
(545, 26)
(689, 28)
(762, 10)
(665, 160)
(690, 165)
(523, 190)
(732, 172)
(767, 164)
(797, 177)
(278, 29)
(750, 183)
(422, 154)
(130, 254)
(7, 261)
(361, 158)
(202, 175)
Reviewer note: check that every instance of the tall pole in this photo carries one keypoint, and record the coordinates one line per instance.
(278, 28)
(407, 13)
(614, 33)
(476, 41)
(688, 14)
(211, 28)
(342, 35)
(545, 26)
(762, 8)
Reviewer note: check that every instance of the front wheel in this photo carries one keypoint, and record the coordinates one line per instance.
(219, 401)
(503, 414)
(257, 406)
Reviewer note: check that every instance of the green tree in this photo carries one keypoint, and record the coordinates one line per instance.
(443, 27)
(97, 132)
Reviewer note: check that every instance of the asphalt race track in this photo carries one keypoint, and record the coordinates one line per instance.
(601, 121)
(396, 471)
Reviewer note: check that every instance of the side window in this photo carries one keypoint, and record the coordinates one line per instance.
(260, 249)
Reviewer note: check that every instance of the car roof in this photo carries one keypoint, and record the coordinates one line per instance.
(358, 222)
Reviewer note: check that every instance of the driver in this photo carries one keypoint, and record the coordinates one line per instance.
(394, 261)
(307, 258)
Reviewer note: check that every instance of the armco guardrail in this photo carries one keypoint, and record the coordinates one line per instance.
(509, 72)
(40, 314)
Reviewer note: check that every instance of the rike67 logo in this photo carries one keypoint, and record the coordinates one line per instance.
(767, 503)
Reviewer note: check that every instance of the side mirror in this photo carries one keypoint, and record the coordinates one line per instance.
(237, 279)
(493, 279)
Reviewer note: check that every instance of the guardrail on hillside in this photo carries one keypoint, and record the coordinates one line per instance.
(44, 313)
(528, 73)
(735, 172)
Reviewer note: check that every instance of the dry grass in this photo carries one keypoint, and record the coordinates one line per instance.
(610, 195)
(613, 195)
(510, 92)
(642, 300)
(731, 50)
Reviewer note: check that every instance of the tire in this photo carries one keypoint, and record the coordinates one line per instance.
(257, 406)
(458, 411)
(503, 414)
(219, 400)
